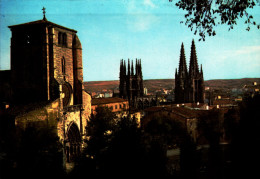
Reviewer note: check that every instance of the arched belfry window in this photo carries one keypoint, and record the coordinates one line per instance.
(62, 39)
(59, 38)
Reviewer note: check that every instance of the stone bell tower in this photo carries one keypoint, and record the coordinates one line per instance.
(47, 72)
(45, 56)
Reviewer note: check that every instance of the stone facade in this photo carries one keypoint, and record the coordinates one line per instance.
(117, 105)
(46, 78)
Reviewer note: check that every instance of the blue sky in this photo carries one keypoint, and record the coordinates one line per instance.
(111, 30)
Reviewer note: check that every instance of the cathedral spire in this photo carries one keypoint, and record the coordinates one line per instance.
(132, 68)
(193, 68)
(128, 68)
(124, 67)
(136, 67)
(182, 63)
(140, 66)
(201, 71)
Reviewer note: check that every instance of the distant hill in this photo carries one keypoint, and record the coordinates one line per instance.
(231, 83)
(152, 85)
(92, 86)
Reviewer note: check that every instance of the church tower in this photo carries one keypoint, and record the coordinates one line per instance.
(46, 58)
(180, 78)
(195, 80)
(46, 79)
(131, 81)
(189, 85)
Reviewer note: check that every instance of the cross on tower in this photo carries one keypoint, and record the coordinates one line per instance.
(44, 12)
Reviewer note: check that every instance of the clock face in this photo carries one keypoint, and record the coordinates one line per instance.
(67, 90)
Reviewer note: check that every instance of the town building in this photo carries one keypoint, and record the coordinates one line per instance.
(252, 89)
(189, 84)
(117, 105)
(188, 115)
(45, 83)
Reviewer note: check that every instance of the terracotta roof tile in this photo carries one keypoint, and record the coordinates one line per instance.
(98, 101)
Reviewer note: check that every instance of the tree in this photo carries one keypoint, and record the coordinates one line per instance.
(165, 131)
(203, 15)
(231, 121)
(245, 144)
(125, 150)
(210, 127)
(98, 131)
(35, 151)
(189, 158)
(115, 146)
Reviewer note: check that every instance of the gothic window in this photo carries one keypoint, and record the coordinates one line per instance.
(63, 64)
(64, 39)
(63, 67)
(59, 38)
(73, 142)
(67, 90)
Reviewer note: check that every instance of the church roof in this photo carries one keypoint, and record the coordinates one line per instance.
(42, 21)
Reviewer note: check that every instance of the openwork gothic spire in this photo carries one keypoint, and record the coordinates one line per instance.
(182, 63)
(194, 68)
(131, 81)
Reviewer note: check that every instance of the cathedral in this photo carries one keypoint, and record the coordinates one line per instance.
(189, 85)
(131, 82)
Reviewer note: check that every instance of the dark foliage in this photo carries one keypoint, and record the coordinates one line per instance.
(129, 151)
(210, 128)
(164, 132)
(98, 128)
(125, 152)
(203, 15)
(35, 151)
(245, 144)
(166, 129)
(189, 158)
(231, 122)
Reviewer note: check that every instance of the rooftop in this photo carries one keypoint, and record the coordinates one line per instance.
(98, 101)
(40, 22)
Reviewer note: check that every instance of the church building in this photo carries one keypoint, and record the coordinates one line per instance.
(131, 82)
(189, 84)
(45, 83)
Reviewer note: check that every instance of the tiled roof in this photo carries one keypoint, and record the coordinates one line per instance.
(41, 22)
(98, 101)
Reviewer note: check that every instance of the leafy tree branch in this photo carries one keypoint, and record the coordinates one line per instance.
(203, 15)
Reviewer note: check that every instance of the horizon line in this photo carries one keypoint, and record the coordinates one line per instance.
(174, 79)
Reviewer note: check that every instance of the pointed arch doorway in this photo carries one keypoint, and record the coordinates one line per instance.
(73, 144)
